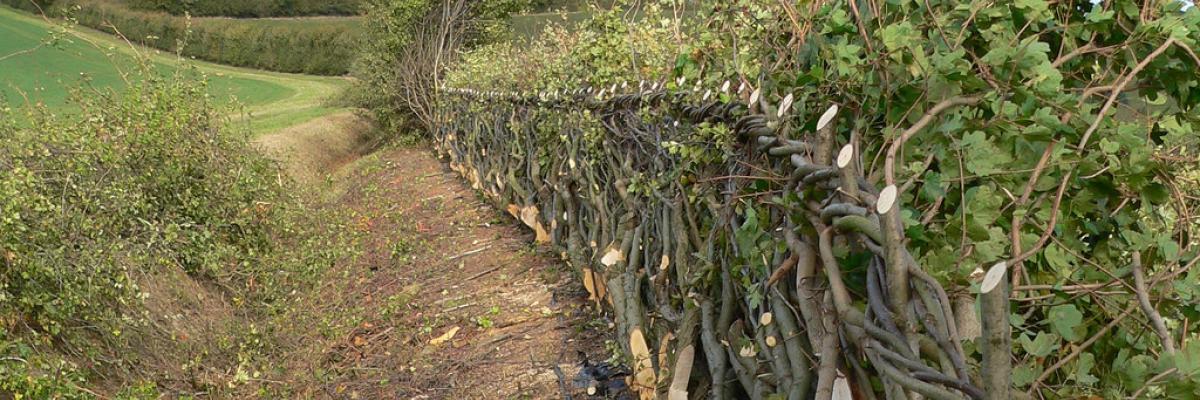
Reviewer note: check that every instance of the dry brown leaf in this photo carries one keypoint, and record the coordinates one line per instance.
(445, 337)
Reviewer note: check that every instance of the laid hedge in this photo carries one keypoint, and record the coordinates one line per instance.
(1038, 157)
(250, 8)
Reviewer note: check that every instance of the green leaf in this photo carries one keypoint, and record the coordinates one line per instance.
(1135, 370)
(1064, 319)
(1045, 344)
(1083, 369)
(994, 247)
(982, 156)
(1098, 15)
(1046, 78)
(1062, 263)
(898, 36)
(1023, 375)
(1168, 248)
(1034, 9)
(1187, 360)
(1109, 147)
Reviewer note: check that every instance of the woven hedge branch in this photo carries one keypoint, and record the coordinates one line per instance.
(670, 259)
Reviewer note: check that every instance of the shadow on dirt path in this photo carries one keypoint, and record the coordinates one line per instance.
(449, 297)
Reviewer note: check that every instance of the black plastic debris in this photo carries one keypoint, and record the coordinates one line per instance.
(602, 380)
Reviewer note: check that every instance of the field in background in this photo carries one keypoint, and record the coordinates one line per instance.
(316, 45)
(273, 100)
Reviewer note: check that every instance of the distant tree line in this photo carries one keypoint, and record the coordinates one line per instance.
(318, 47)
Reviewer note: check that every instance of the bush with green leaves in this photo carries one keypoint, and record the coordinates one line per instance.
(385, 64)
(135, 180)
(152, 184)
(1057, 137)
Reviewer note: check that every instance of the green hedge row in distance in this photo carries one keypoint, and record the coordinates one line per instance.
(316, 46)
(251, 8)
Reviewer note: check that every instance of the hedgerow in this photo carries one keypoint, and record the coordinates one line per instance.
(1051, 142)
(154, 186)
(251, 8)
(396, 68)
(318, 46)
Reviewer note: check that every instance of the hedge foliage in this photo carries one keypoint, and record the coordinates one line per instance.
(318, 46)
(1057, 136)
(134, 184)
(250, 8)
(391, 27)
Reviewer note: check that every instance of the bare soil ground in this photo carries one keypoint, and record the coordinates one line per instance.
(449, 298)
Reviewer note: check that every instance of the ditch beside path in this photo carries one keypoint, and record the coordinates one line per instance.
(456, 302)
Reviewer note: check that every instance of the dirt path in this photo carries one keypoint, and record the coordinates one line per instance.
(449, 299)
(315, 149)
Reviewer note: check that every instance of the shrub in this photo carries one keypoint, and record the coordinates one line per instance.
(395, 69)
(92, 203)
(134, 181)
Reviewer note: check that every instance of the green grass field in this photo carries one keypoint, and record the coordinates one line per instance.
(32, 73)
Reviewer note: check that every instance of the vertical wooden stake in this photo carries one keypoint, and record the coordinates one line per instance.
(997, 334)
